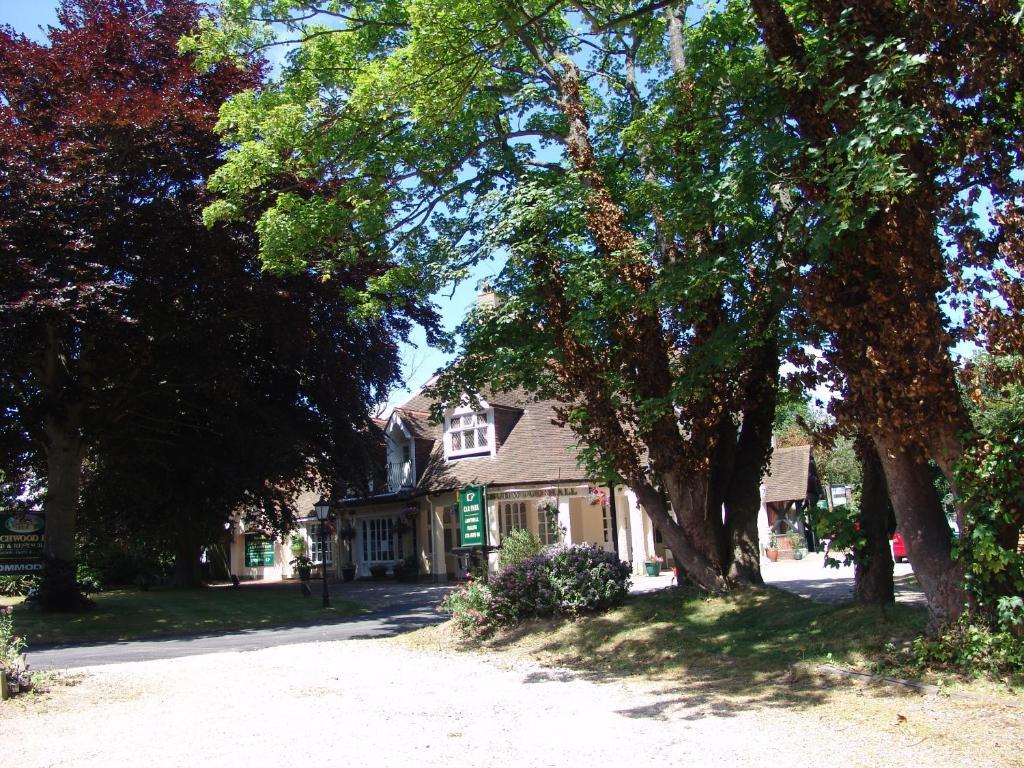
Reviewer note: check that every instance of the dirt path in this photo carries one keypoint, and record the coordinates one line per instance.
(379, 702)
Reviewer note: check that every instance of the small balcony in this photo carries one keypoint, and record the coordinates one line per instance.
(400, 476)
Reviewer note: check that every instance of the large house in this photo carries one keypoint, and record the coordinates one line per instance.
(507, 443)
(510, 445)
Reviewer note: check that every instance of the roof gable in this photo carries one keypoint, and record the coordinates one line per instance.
(789, 474)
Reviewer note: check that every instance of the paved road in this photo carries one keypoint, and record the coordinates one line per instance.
(387, 620)
(404, 607)
(809, 578)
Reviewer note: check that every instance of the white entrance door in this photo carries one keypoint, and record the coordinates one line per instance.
(377, 543)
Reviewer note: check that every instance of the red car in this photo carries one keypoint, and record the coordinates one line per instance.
(899, 549)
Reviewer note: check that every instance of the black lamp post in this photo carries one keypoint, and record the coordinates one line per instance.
(323, 510)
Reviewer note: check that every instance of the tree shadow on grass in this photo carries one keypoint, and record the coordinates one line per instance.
(714, 656)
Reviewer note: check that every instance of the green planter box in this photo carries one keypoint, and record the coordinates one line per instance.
(653, 569)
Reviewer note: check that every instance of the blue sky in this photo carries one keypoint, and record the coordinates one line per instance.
(419, 360)
(26, 16)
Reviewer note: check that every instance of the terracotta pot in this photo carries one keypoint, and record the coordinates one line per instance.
(772, 554)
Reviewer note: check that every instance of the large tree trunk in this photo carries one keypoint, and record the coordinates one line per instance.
(873, 563)
(694, 562)
(65, 451)
(59, 589)
(743, 500)
(188, 571)
(925, 530)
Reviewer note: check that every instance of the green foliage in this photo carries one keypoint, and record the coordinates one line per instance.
(972, 648)
(520, 544)
(120, 561)
(559, 581)
(793, 419)
(470, 607)
(840, 525)
(837, 462)
(89, 579)
(17, 586)
(990, 476)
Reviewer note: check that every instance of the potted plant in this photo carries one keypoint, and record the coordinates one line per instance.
(303, 566)
(378, 571)
(408, 569)
(653, 565)
(772, 550)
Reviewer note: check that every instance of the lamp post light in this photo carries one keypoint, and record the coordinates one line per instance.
(322, 509)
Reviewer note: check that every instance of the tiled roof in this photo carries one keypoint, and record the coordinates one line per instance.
(534, 451)
(788, 477)
(418, 423)
(515, 399)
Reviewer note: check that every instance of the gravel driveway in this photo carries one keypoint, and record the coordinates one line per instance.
(376, 702)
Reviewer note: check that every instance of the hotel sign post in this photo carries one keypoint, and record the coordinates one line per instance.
(21, 543)
(473, 516)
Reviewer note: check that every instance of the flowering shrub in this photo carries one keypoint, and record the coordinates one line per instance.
(560, 581)
(470, 607)
(587, 579)
(566, 581)
(523, 591)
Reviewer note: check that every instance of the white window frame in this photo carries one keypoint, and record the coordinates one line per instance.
(377, 539)
(511, 515)
(457, 416)
(314, 546)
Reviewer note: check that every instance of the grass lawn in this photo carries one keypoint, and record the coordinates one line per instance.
(740, 640)
(133, 615)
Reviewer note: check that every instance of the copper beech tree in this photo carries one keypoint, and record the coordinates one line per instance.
(135, 343)
(907, 114)
(103, 133)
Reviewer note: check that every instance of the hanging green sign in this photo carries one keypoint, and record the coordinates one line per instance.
(21, 543)
(259, 550)
(473, 515)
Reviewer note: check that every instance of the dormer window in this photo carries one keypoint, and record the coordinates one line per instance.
(469, 434)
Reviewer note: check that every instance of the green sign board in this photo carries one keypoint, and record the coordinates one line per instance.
(21, 543)
(473, 515)
(259, 550)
